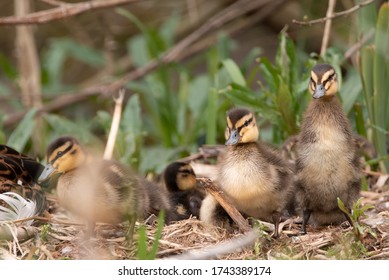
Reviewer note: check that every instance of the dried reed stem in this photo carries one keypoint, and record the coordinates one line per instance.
(117, 114)
(327, 27)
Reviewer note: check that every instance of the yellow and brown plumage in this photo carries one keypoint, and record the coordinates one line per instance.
(18, 174)
(253, 176)
(327, 163)
(181, 184)
(101, 190)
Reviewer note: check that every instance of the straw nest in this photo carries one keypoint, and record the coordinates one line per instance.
(63, 238)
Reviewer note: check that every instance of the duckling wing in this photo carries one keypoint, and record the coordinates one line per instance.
(273, 158)
(118, 180)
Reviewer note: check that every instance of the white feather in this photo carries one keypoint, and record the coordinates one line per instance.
(19, 208)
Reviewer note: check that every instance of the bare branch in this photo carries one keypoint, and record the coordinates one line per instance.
(54, 2)
(225, 202)
(357, 46)
(327, 27)
(65, 10)
(335, 15)
(175, 54)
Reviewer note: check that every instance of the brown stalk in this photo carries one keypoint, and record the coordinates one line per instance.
(180, 51)
(62, 11)
(335, 15)
(224, 201)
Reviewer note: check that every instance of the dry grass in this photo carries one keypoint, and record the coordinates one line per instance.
(66, 239)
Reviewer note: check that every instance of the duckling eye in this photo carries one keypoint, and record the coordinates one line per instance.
(60, 153)
(246, 123)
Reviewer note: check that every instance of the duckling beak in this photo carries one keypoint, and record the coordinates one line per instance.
(49, 169)
(319, 91)
(234, 138)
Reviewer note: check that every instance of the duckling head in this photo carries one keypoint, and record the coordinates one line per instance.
(241, 127)
(179, 176)
(323, 81)
(63, 154)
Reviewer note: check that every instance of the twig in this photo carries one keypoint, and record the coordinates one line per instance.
(335, 15)
(175, 54)
(225, 203)
(223, 248)
(373, 173)
(327, 27)
(117, 114)
(54, 2)
(356, 47)
(63, 11)
(17, 234)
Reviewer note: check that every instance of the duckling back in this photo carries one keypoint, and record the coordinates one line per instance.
(106, 191)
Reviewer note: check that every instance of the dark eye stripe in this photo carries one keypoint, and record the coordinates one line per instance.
(246, 123)
(62, 153)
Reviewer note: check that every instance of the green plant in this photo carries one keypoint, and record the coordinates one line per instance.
(360, 230)
(45, 229)
(375, 79)
(142, 250)
(281, 98)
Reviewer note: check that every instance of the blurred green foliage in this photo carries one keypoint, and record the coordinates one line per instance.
(375, 76)
(180, 106)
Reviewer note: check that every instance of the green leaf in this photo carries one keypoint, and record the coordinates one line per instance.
(342, 207)
(62, 126)
(23, 131)
(155, 158)
(8, 69)
(157, 236)
(169, 27)
(351, 90)
(381, 81)
(142, 244)
(137, 49)
(131, 118)
(234, 71)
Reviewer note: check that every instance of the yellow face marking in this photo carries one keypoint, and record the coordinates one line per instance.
(248, 129)
(242, 121)
(314, 77)
(54, 154)
(327, 75)
(229, 123)
(69, 160)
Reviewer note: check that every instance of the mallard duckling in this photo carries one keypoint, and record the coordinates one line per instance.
(255, 177)
(180, 182)
(327, 164)
(18, 174)
(100, 190)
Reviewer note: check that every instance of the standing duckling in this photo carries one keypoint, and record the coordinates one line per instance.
(257, 180)
(327, 164)
(100, 190)
(181, 183)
